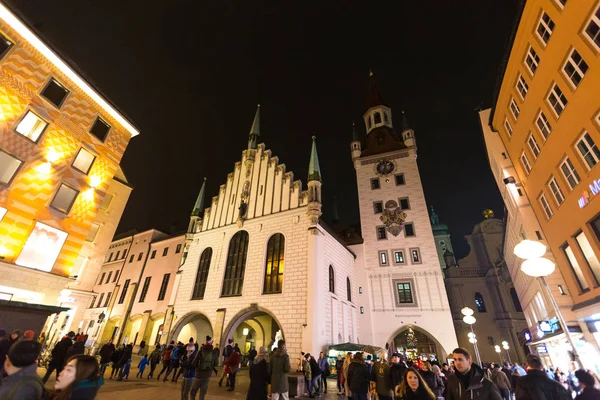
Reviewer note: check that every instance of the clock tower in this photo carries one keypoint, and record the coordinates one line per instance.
(402, 300)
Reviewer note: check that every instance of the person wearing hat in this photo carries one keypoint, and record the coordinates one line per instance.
(397, 370)
(59, 356)
(28, 335)
(22, 382)
(14, 336)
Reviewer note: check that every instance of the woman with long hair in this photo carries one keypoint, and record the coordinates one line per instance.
(413, 387)
(347, 362)
(432, 380)
(79, 380)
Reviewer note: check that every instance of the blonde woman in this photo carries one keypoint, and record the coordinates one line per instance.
(347, 362)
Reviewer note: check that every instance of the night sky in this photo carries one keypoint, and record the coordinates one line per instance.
(190, 73)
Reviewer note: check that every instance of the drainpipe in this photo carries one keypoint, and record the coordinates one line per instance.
(134, 294)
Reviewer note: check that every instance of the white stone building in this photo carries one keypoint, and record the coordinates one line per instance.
(260, 264)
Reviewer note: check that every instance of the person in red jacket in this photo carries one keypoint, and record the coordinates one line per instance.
(233, 362)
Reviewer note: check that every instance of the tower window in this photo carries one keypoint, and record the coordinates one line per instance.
(399, 257)
(9, 166)
(386, 118)
(404, 204)
(381, 234)
(409, 229)
(400, 179)
(545, 28)
(383, 258)
(331, 280)
(377, 118)
(375, 184)
(415, 256)
(5, 45)
(64, 198)
(378, 207)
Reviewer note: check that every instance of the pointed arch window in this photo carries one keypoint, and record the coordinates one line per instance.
(348, 289)
(202, 274)
(331, 280)
(377, 118)
(275, 264)
(233, 281)
(479, 302)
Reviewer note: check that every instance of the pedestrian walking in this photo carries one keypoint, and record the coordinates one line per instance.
(106, 351)
(414, 387)
(79, 380)
(189, 372)
(114, 359)
(339, 364)
(252, 354)
(204, 363)
(469, 381)
(345, 367)
(166, 359)
(501, 380)
(537, 385)
(226, 353)
(279, 368)
(125, 370)
(358, 377)
(77, 348)
(142, 349)
(154, 361)
(586, 382)
(142, 366)
(124, 360)
(433, 381)
(216, 353)
(259, 376)
(22, 381)
(176, 355)
(59, 356)
(380, 374)
(307, 371)
(324, 367)
(316, 374)
(233, 362)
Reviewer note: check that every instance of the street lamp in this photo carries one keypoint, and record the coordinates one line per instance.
(505, 347)
(497, 348)
(469, 319)
(539, 267)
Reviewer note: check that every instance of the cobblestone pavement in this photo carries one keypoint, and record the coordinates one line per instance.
(138, 389)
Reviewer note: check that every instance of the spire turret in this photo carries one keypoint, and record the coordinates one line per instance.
(314, 171)
(408, 135)
(435, 219)
(254, 130)
(199, 205)
(355, 145)
(378, 113)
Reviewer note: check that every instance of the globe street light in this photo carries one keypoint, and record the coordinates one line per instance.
(497, 348)
(505, 347)
(469, 319)
(539, 267)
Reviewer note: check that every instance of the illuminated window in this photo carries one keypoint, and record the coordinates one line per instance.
(543, 125)
(275, 264)
(545, 28)
(525, 163)
(592, 29)
(233, 279)
(522, 87)
(31, 126)
(202, 274)
(383, 258)
(331, 280)
(575, 268)
(415, 256)
(83, 161)
(55, 93)
(42, 247)
(378, 207)
(575, 68)
(5, 45)
(561, 290)
(399, 257)
(508, 127)
(100, 129)
(532, 60)
(545, 206)
(106, 201)
(589, 255)
(409, 229)
(556, 191)
(9, 166)
(557, 100)
(92, 232)
(163, 287)
(588, 150)
(64, 198)
(404, 293)
(3, 212)
(570, 173)
(533, 145)
(480, 303)
(514, 108)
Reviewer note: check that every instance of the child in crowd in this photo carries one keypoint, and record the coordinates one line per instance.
(142, 366)
(125, 371)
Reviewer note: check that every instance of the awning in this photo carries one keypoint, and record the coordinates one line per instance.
(354, 347)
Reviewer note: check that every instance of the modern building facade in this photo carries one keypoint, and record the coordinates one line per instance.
(546, 115)
(482, 282)
(61, 143)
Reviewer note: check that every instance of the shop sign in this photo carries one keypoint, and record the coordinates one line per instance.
(549, 326)
(541, 349)
(586, 196)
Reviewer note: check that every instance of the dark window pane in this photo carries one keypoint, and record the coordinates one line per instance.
(5, 45)
(331, 280)
(55, 93)
(202, 274)
(409, 230)
(100, 129)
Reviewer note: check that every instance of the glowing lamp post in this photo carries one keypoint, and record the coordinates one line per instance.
(497, 349)
(539, 267)
(505, 347)
(469, 319)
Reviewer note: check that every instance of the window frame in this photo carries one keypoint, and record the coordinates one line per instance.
(331, 279)
(145, 287)
(199, 288)
(479, 303)
(98, 226)
(515, 111)
(546, 26)
(23, 116)
(387, 259)
(165, 251)
(375, 203)
(384, 232)
(11, 45)
(521, 86)
(533, 145)
(414, 231)
(594, 155)
(394, 251)
(21, 162)
(153, 255)
(124, 291)
(557, 193)
(91, 164)
(576, 68)
(525, 165)
(559, 100)
(594, 18)
(535, 60)
(348, 290)
(68, 210)
(102, 120)
(508, 127)
(375, 182)
(545, 206)
(178, 248)
(593, 268)
(420, 259)
(566, 161)
(412, 291)
(164, 286)
(275, 246)
(407, 202)
(541, 119)
(580, 279)
(235, 265)
(396, 176)
(64, 99)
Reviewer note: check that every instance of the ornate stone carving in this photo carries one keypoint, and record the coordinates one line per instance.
(393, 217)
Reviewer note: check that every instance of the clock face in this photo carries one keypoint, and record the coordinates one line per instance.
(385, 167)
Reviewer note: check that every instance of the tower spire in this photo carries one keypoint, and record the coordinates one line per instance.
(405, 125)
(254, 130)
(314, 171)
(199, 205)
(354, 133)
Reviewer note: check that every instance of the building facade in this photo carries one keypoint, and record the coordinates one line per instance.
(61, 143)
(482, 282)
(547, 116)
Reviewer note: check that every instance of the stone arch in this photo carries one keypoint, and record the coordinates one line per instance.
(187, 319)
(441, 352)
(245, 314)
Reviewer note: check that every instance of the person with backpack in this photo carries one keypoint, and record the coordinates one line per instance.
(189, 373)
(22, 382)
(175, 359)
(166, 359)
(203, 363)
(226, 354)
(59, 356)
(154, 360)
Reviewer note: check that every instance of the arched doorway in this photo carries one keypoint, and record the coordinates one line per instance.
(193, 325)
(154, 328)
(253, 327)
(111, 330)
(414, 343)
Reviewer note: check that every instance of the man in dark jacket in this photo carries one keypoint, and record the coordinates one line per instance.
(22, 382)
(4, 347)
(77, 348)
(358, 377)
(537, 385)
(279, 368)
(469, 381)
(59, 356)
(204, 362)
(226, 353)
(105, 352)
(339, 364)
(397, 371)
(380, 374)
(155, 357)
